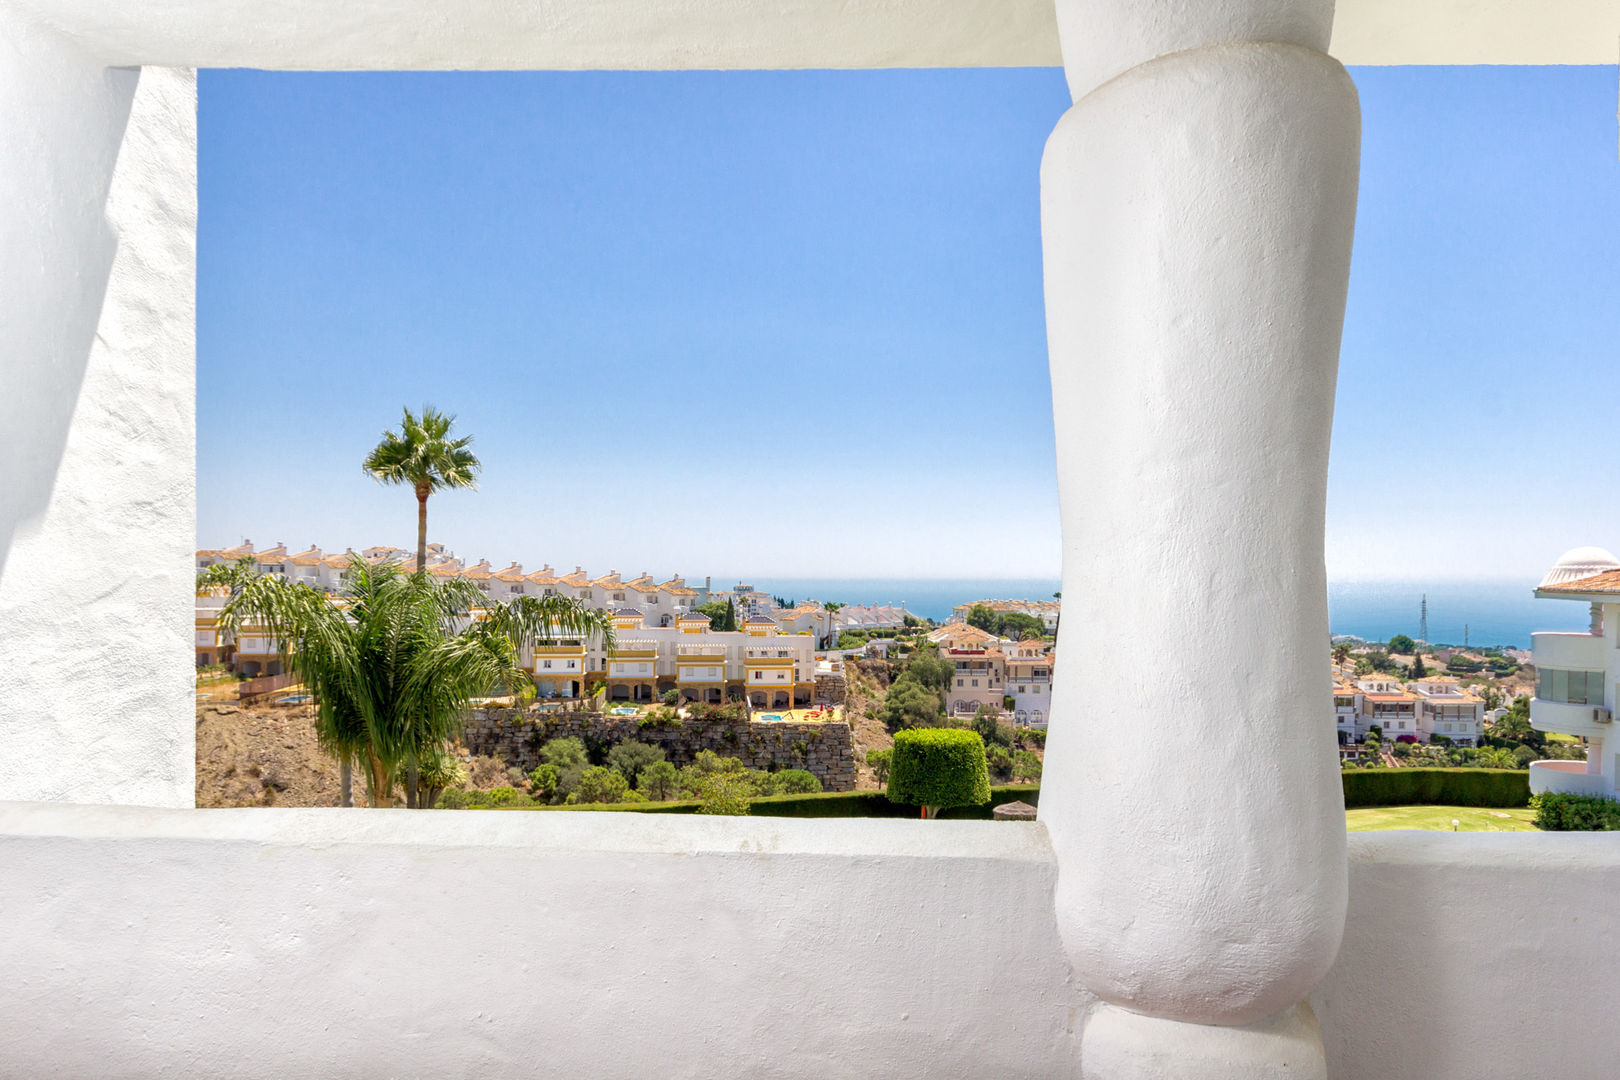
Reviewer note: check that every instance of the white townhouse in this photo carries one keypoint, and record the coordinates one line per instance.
(1029, 682)
(773, 669)
(1444, 708)
(1577, 676)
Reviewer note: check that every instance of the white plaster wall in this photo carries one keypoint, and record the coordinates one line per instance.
(97, 271)
(324, 943)
(1488, 956)
(283, 943)
(652, 34)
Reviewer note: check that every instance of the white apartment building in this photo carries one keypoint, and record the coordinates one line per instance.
(1444, 708)
(1029, 682)
(1577, 676)
(772, 669)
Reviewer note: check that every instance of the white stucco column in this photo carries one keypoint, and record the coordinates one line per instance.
(1198, 203)
(98, 195)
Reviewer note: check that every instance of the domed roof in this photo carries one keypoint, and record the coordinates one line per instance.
(1582, 562)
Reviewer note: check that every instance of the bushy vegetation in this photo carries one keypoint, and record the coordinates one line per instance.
(938, 767)
(1436, 787)
(1556, 812)
(1013, 625)
(633, 772)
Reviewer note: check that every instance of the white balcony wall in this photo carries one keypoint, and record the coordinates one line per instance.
(1583, 720)
(1566, 778)
(1585, 652)
(333, 924)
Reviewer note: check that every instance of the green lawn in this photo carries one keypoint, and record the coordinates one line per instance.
(1468, 818)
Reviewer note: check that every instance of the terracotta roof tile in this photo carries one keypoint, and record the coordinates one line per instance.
(1606, 582)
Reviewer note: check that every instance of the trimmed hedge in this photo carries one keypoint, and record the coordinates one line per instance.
(939, 767)
(1436, 787)
(832, 804)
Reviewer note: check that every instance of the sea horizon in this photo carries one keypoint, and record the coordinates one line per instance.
(1480, 612)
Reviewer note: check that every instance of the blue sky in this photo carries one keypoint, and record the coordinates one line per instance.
(776, 323)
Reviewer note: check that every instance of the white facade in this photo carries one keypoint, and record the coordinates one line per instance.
(1578, 676)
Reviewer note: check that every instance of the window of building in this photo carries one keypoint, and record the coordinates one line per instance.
(546, 664)
(1570, 687)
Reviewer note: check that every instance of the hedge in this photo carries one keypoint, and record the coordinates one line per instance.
(939, 767)
(833, 804)
(1436, 787)
(1561, 812)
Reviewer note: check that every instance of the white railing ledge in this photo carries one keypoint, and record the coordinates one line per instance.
(537, 832)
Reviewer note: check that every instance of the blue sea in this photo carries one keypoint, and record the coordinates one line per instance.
(1500, 612)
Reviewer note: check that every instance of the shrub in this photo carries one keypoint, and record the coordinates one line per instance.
(1557, 812)
(453, 799)
(600, 784)
(672, 698)
(1026, 766)
(725, 793)
(938, 767)
(716, 714)
(658, 782)
(506, 796)
(879, 760)
(998, 759)
(990, 729)
(659, 718)
(634, 797)
(797, 782)
(631, 757)
(1436, 787)
(563, 753)
(544, 780)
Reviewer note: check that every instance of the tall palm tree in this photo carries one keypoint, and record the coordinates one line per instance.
(393, 661)
(423, 455)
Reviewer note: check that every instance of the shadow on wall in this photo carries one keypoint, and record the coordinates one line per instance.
(62, 121)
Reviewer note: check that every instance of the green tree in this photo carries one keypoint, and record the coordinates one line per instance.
(1418, 671)
(879, 760)
(423, 456)
(658, 781)
(543, 778)
(931, 670)
(391, 669)
(1026, 766)
(910, 704)
(631, 757)
(1402, 644)
(601, 784)
(731, 615)
(936, 768)
(990, 729)
(564, 753)
(982, 617)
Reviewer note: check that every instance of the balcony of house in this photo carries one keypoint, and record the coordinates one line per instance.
(1571, 718)
(1566, 778)
(1582, 651)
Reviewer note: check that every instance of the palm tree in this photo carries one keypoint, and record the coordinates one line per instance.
(424, 456)
(393, 661)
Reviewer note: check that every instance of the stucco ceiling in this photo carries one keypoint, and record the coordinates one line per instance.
(651, 34)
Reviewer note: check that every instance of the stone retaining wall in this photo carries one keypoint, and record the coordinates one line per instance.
(825, 750)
